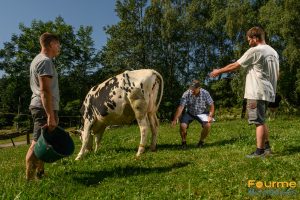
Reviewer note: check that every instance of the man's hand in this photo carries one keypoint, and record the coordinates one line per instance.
(51, 124)
(209, 119)
(174, 122)
(214, 73)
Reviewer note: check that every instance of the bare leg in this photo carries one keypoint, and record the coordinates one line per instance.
(39, 169)
(260, 136)
(31, 162)
(266, 133)
(205, 131)
(183, 131)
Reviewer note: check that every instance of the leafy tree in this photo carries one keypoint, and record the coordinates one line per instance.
(281, 20)
(181, 39)
(125, 47)
(77, 60)
(76, 79)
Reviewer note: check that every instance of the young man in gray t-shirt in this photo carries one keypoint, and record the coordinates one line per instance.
(44, 103)
(262, 64)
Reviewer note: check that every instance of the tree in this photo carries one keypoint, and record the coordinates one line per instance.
(281, 20)
(125, 48)
(76, 79)
(76, 60)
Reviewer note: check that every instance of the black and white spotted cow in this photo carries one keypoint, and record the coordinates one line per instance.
(120, 100)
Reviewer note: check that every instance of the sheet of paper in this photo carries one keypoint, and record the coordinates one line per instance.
(204, 117)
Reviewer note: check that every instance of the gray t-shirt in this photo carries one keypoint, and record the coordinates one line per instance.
(43, 66)
(262, 64)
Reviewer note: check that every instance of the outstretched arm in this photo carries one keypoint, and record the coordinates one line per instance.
(227, 68)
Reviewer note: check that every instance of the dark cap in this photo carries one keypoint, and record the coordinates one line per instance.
(195, 85)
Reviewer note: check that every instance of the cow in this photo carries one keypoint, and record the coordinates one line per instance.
(129, 96)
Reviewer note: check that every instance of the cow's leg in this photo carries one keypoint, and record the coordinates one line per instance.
(98, 136)
(139, 106)
(144, 125)
(86, 139)
(89, 146)
(153, 125)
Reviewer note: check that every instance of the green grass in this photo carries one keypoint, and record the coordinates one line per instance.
(218, 171)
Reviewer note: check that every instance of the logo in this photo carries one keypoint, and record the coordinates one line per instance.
(271, 184)
(258, 187)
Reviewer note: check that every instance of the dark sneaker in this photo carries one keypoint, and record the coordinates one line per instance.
(268, 151)
(40, 174)
(200, 144)
(255, 155)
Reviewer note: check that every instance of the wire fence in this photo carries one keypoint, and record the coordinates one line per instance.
(21, 120)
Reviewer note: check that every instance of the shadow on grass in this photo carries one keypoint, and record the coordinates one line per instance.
(227, 141)
(207, 145)
(124, 149)
(289, 150)
(178, 146)
(168, 146)
(158, 147)
(90, 178)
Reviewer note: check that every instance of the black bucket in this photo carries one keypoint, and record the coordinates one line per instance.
(53, 146)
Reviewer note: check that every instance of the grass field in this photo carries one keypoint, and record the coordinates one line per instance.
(218, 171)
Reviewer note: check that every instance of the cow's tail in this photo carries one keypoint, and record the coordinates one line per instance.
(161, 88)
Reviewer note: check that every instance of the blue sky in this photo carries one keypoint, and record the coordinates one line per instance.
(95, 13)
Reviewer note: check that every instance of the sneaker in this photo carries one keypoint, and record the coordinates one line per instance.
(40, 174)
(183, 146)
(268, 151)
(200, 144)
(267, 148)
(255, 155)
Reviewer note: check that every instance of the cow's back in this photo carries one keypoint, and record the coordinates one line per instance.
(109, 102)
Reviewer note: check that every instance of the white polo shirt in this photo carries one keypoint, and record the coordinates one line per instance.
(262, 65)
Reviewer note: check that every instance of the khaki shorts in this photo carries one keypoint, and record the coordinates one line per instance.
(39, 117)
(256, 111)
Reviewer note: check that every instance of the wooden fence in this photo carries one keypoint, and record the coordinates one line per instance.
(64, 121)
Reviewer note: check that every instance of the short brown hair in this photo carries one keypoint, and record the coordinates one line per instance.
(257, 32)
(47, 38)
(195, 84)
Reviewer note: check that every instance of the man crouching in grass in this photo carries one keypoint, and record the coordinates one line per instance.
(196, 100)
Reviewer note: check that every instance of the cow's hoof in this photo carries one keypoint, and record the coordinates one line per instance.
(78, 158)
(153, 150)
(137, 157)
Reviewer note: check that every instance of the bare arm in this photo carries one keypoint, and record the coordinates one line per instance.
(227, 68)
(211, 112)
(46, 97)
(177, 114)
